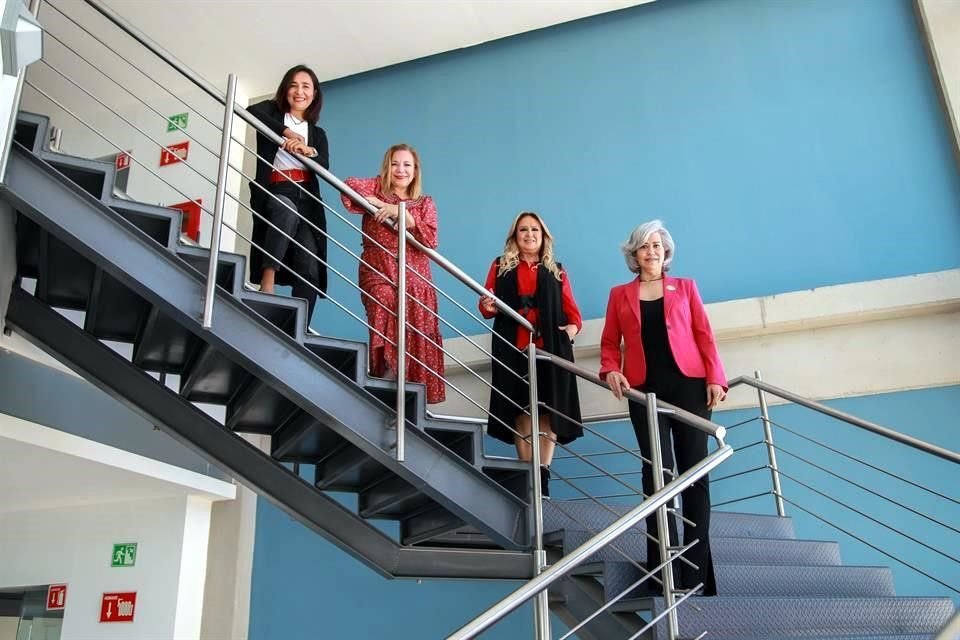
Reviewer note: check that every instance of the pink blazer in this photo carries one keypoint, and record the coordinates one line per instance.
(688, 330)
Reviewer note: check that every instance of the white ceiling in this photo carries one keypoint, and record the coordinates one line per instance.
(259, 39)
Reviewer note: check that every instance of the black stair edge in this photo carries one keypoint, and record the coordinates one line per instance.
(113, 374)
(35, 188)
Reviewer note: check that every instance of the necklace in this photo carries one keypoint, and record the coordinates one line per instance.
(660, 277)
(295, 119)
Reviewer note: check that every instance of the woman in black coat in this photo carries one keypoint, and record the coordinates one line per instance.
(276, 195)
(529, 279)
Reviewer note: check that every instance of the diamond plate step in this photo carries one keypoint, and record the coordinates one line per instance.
(773, 580)
(725, 550)
(732, 618)
(585, 515)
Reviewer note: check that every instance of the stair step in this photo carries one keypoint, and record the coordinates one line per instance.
(725, 550)
(67, 278)
(163, 345)
(756, 618)
(211, 377)
(770, 580)
(392, 498)
(585, 514)
(461, 442)
(258, 408)
(229, 266)
(349, 468)
(115, 312)
(160, 223)
(346, 356)
(287, 314)
(430, 523)
(302, 439)
(93, 176)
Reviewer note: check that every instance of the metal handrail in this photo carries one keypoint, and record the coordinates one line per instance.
(326, 175)
(873, 427)
(719, 432)
(564, 565)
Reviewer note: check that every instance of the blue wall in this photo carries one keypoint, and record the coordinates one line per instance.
(802, 141)
(788, 145)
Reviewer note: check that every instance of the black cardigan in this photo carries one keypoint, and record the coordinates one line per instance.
(268, 113)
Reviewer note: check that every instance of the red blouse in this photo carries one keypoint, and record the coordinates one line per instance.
(527, 285)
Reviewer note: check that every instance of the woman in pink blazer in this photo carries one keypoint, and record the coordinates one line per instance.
(668, 348)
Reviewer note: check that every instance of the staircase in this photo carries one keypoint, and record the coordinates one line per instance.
(770, 584)
(460, 513)
(120, 262)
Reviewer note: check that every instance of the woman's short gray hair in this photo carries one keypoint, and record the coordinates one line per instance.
(640, 235)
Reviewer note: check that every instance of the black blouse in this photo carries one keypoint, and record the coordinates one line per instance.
(661, 365)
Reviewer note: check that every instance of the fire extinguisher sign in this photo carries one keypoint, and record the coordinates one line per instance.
(118, 607)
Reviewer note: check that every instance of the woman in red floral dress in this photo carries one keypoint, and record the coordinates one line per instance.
(400, 179)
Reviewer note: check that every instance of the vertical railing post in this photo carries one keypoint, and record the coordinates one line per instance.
(33, 7)
(218, 201)
(401, 328)
(541, 604)
(771, 450)
(663, 530)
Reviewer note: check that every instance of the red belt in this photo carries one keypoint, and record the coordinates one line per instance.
(289, 175)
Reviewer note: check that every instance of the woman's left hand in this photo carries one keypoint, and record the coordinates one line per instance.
(571, 330)
(385, 212)
(715, 395)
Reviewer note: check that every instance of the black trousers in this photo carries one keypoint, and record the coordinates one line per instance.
(280, 250)
(689, 446)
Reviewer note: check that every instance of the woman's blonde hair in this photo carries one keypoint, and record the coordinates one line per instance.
(511, 251)
(386, 186)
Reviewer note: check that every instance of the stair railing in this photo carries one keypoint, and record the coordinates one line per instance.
(935, 518)
(537, 587)
(534, 406)
(323, 173)
(405, 237)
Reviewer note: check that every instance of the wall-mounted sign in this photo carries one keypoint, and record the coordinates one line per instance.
(174, 153)
(118, 607)
(124, 554)
(190, 223)
(178, 121)
(123, 160)
(56, 597)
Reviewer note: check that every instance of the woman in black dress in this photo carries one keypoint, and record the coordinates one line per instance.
(529, 279)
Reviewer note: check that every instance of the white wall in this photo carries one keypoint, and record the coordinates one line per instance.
(73, 545)
(103, 129)
(941, 20)
(855, 339)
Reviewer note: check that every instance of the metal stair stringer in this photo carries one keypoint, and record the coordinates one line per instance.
(102, 366)
(102, 236)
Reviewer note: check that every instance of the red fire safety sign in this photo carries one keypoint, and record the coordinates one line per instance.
(174, 153)
(118, 607)
(56, 597)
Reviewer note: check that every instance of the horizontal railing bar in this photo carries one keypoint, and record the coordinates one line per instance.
(873, 427)
(740, 473)
(736, 500)
(715, 430)
(864, 462)
(872, 546)
(871, 518)
(867, 489)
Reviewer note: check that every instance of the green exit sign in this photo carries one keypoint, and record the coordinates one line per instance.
(124, 554)
(178, 121)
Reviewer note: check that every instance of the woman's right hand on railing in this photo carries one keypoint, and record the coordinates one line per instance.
(617, 383)
(290, 139)
(487, 305)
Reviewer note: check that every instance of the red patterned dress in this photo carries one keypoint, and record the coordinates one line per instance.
(424, 354)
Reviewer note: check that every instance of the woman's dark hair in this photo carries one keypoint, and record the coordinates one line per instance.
(312, 113)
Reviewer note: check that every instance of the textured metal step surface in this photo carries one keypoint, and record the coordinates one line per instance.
(773, 580)
(725, 550)
(587, 515)
(765, 618)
